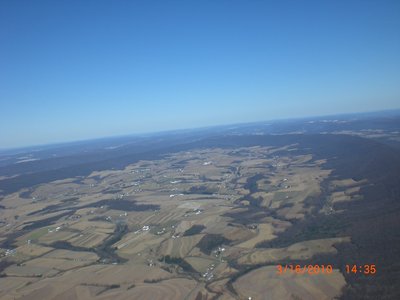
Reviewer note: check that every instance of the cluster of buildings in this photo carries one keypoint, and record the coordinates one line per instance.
(208, 275)
(10, 252)
(56, 229)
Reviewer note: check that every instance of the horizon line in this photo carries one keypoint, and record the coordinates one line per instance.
(149, 133)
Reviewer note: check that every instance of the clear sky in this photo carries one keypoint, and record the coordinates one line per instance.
(72, 70)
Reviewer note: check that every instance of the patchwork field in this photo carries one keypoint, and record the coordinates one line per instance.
(185, 226)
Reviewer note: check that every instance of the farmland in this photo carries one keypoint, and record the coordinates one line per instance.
(199, 223)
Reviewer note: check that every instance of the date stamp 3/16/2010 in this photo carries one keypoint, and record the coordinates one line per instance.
(321, 269)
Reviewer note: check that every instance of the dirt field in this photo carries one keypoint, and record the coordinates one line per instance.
(264, 281)
(131, 233)
(265, 232)
(302, 251)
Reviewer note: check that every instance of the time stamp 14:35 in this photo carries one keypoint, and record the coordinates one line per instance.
(366, 269)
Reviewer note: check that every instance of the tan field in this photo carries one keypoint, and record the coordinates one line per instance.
(302, 250)
(88, 239)
(239, 233)
(265, 232)
(131, 233)
(200, 264)
(264, 283)
(134, 248)
(179, 247)
(33, 250)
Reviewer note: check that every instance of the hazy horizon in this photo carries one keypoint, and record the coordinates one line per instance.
(149, 133)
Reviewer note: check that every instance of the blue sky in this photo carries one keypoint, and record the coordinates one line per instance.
(72, 70)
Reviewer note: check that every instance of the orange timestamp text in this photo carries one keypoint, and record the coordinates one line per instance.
(366, 269)
(306, 269)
